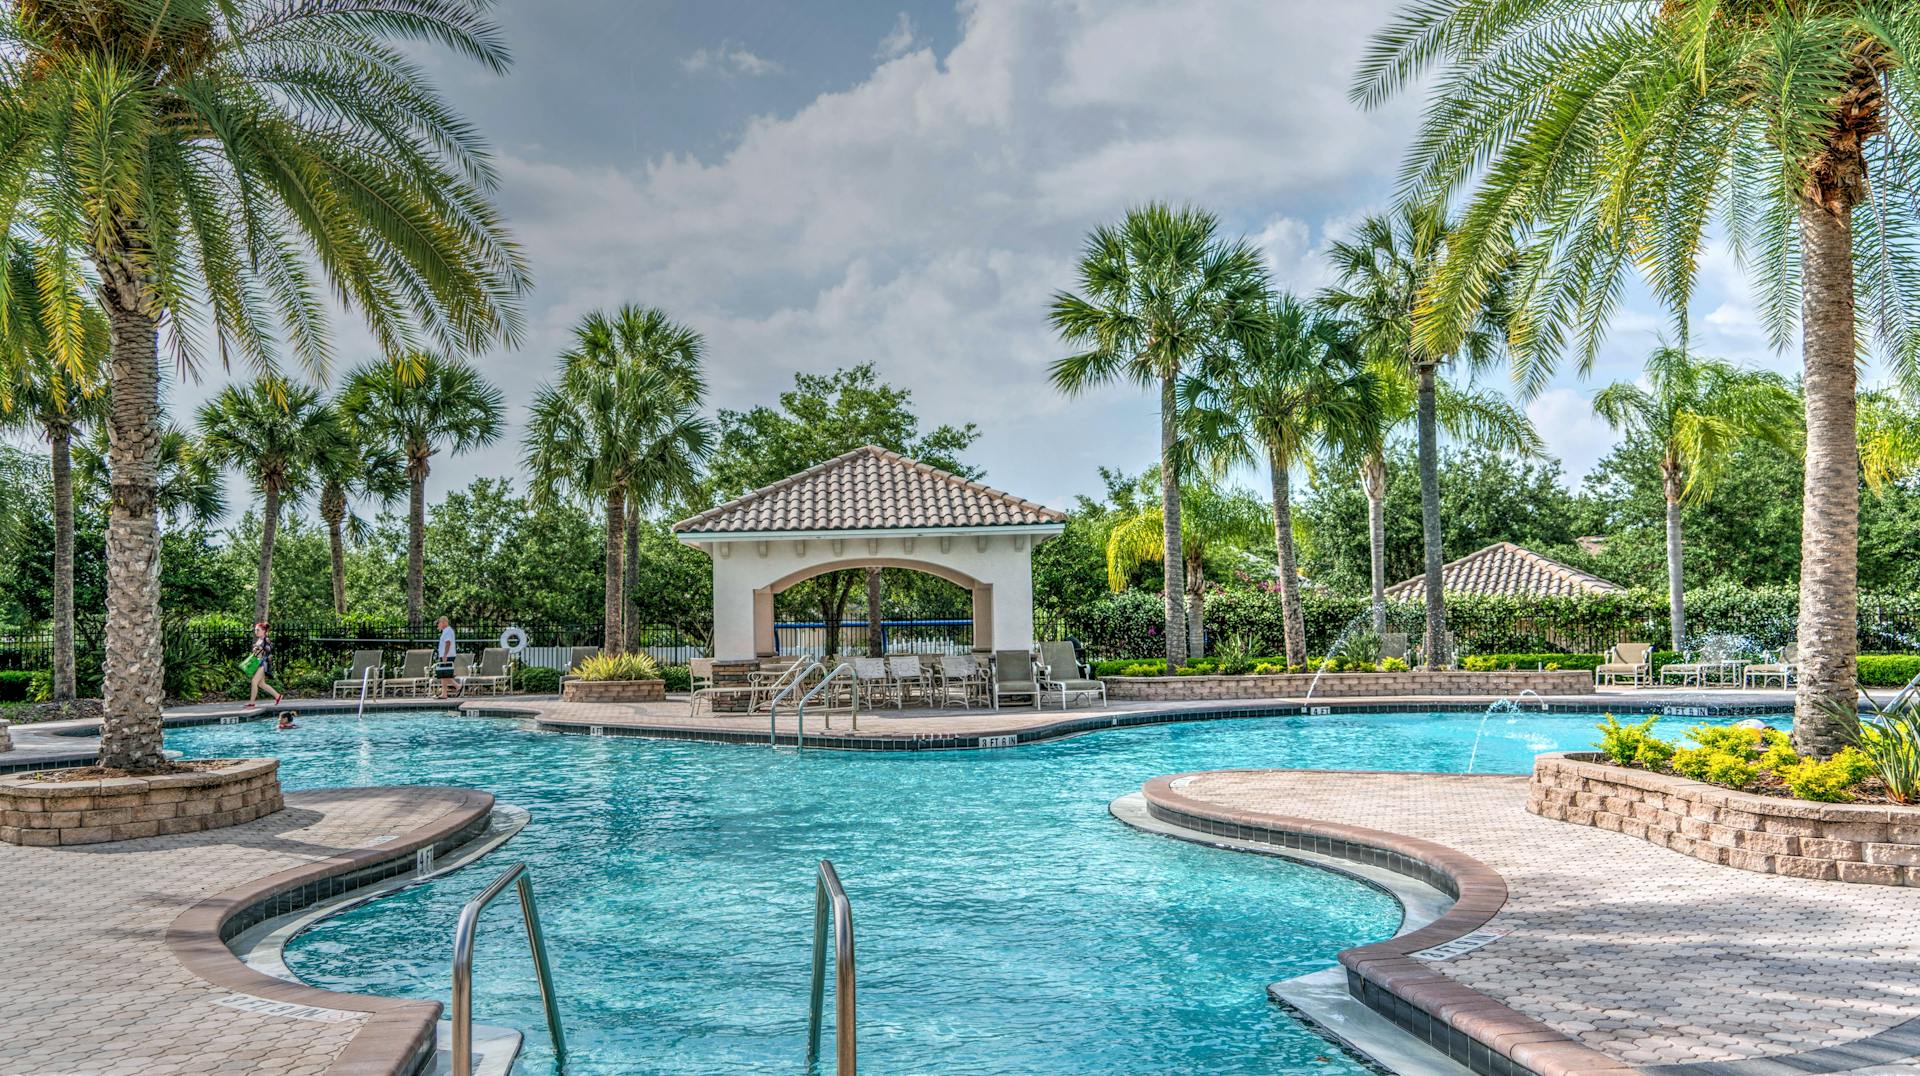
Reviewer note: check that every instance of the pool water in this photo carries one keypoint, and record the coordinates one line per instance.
(1005, 922)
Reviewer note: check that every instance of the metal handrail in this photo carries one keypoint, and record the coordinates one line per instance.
(773, 708)
(800, 708)
(827, 889)
(1901, 696)
(463, 934)
(366, 675)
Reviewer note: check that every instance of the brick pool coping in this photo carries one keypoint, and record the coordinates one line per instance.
(1468, 1026)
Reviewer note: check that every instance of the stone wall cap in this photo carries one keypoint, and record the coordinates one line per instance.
(36, 782)
(1585, 764)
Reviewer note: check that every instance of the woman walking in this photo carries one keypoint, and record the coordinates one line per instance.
(262, 659)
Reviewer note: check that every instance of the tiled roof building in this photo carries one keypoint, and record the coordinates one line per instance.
(1505, 568)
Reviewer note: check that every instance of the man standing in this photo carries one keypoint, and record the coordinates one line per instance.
(443, 658)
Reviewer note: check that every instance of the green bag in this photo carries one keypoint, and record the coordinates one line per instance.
(250, 664)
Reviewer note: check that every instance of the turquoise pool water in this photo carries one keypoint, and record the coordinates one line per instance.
(1006, 923)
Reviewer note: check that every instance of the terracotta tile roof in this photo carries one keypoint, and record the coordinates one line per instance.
(1505, 568)
(870, 489)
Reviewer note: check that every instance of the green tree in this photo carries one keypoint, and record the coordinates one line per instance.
(1696, 410)
(419, 404)
(52, 397)
(227, 165)
(1779, 120)
(1294, 384)
(1214, 522)
(622, 426)
(1160, 293)
(274, 432)
(823, 416)
(1383, 271)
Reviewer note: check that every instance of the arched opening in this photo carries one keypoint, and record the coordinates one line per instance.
(873, 605)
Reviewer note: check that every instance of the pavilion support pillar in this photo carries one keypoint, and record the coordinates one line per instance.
(983, 617)
(765, 645)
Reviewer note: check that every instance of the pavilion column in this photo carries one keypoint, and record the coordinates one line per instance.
(983, 616)
(764, 643)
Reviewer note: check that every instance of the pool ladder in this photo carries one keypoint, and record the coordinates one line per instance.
(828, 895)
(463, 935)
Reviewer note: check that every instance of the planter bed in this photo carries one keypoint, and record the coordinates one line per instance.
(1851, 842)
(1351, 685)
(42, 808)
(613, 691)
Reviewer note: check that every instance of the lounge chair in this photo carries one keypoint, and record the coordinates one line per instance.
(1692, 670)
(415, 669)
(364, 662)
(960, 677)
(1781, 670)
(1625, 659)
(494, 674)
(1013, 674)
(907, 675)
(1061, 672)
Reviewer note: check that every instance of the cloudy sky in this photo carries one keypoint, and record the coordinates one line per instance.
(815, 185)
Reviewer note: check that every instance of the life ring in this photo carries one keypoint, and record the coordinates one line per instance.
(513, 640)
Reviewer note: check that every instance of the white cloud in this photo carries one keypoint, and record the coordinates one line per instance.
(899, 40)
(1574, 434)
(728, 59)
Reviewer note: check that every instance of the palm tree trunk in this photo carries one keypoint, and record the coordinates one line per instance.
(876, 641)
(630, 574)
(416, 539)
(1676, 584)
(1293, 619)
(1196, 611)
(333, 509)
(269, 526)
(614, 639)
(1438, 645)
(1830, 516)
(60, 437)
(1174, 565)
(1373, 477)
(130, 733)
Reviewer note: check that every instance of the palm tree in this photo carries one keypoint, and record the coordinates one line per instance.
(1778, 119)
(1357, 450)
(418, 404)
(1159, 293)
(231, 164)
(277, 434)
(622, 426)
(1383, 271)
(186, 483)
(1294, 384)
(356, 469)
(1889, 438)
(53, 399)
(1213, 521)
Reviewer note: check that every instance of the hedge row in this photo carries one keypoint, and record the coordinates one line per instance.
(16, 685)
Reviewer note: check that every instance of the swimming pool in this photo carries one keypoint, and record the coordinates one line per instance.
(1006, 923)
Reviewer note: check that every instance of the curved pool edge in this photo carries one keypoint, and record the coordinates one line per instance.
(398, 1036)
(1467, 1026)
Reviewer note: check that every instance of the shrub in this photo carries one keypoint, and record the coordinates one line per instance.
(1714, 766)
(678, 677)
(1888, 738)
(1392, 665)
(1888, 670)
(16, 685)
(1827, 780)
(41, 689)
(1268, 668)
(634, 666)
(1633, 745)
(539, 680)
(1493, 662)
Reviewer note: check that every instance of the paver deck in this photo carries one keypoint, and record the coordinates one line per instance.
(107, 948)
(1649, 956)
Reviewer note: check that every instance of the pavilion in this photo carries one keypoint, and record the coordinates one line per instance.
(870, 508)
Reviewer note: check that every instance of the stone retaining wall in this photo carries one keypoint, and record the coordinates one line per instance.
(1851, 842)
(1350, 685)
(37, 811)
(613, 691)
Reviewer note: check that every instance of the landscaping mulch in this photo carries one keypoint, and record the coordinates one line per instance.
(100, 773)
(71, 710)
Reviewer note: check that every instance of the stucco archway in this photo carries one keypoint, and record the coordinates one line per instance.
(765, 643)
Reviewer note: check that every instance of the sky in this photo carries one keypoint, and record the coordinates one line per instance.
(816, 185)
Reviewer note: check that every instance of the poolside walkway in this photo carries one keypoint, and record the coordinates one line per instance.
(113, 964)
(1655, 959)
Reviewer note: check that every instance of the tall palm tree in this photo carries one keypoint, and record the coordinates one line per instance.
(1213, 521)
(1357, 450)
(230, 164)
(277, 434)
(1383, 271)
(53, 399)
(621, 425)
(1159, 292)
(1696, 410)
(1778, 119)
(1292, 387)
(356, 469)
(418, 404)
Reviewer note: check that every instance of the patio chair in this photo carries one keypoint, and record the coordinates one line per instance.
(1393, 644)
(495, 672)
(699, 673)
(961, 676)
(414, 678)
(1061, 671)
(909, 675)
(1013, 674)
(575, 656)
(1625, 659)
(1781, 669)
(1695, 668)
(871, 681)
(364, 661)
